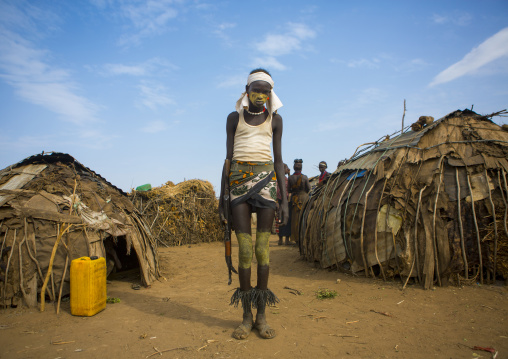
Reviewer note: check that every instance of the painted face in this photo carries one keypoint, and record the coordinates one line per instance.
(258, 99)
(258, 92)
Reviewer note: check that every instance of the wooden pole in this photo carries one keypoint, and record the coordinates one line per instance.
(461, 229)
(477, 231)
(403, 115)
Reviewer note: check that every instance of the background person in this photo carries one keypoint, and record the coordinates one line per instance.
(299, 188)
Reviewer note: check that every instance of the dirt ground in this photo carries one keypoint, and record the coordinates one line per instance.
(187, 315)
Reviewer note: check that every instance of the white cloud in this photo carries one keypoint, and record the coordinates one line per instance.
(493, 48)
(457, 18)
(286, 43)
(146, 18)
(154, 95)
(233, 81)
(370, 64)
(28, 70)
(120, 69)
(268, 62)
(20, 15)
(277, 45)
(147, 68)
(301, 31)
(412, 65)
(155, 127)
(221, 32)
(370, 96)
(439, 19)
(150, 16)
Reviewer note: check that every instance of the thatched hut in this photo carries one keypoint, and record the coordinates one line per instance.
(53, 210)
(429, 204)
(185, 213)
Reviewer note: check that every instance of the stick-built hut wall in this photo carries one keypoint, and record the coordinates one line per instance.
(48, 197)
(430, 204)
(181, 214)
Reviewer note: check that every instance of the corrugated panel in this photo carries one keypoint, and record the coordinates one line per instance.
(23, 176)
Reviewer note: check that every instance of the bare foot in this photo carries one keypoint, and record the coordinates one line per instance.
(244, 329)
(264, 330)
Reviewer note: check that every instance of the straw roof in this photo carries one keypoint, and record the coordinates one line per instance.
(180, 214)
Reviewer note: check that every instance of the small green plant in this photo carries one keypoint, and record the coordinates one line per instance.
(112, 300)
(326, 294)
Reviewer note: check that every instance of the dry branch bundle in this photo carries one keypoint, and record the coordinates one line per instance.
(181, 214)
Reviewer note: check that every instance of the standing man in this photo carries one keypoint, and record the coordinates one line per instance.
(299, 188)
(324, 175)
(251, 184)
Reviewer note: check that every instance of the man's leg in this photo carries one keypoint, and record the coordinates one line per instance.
(242, 224)
(262, 295)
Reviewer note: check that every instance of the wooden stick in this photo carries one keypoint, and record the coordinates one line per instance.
(505, 202)
(166, 350)
(461, 229)
(361, 231)
(34, 259)
(403, 115)
(7, 268)
(21, 280)
(415, 240)
(52, 285)
(1, 250)
(393, 239)
(434, 242)
(50, 266)
(61, 284)
(477, 231)
(375, 231)
(417, 259)
(3, 242)
(495, 224)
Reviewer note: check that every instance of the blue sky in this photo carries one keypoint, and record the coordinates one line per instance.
(139, 91)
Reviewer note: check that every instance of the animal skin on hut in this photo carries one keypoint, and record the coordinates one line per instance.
(420, 206)
(54, 210)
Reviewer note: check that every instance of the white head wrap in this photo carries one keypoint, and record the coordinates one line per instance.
(273, 104)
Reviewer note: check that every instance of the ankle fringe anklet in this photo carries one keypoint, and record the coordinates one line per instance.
(262, 298)
(244, 296)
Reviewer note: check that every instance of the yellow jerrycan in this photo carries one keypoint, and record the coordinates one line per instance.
(88, 286)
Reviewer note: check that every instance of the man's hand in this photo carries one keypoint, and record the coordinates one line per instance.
(283, 213)
(222, 215)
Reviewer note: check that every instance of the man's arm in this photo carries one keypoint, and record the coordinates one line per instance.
(231, 124)
(279, 165)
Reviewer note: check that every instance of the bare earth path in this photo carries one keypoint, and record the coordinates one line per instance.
(188, 311)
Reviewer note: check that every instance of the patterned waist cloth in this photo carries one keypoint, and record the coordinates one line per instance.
(253, 182)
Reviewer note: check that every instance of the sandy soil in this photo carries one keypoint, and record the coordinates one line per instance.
(187, 315)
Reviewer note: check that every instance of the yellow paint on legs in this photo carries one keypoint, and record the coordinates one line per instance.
(263, 248)
(244, 250)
